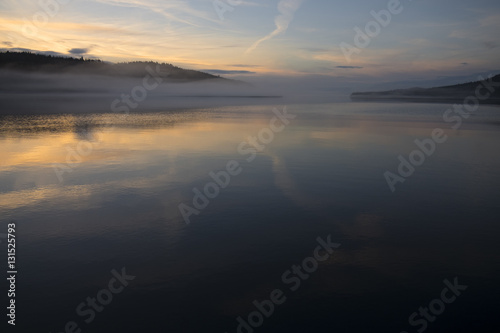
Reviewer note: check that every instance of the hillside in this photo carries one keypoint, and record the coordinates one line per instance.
(447, 94)
(30, 62)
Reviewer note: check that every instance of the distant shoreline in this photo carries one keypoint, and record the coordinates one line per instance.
(413, 99)
(484, 91)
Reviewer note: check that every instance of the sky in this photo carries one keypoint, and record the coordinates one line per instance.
(423, 39)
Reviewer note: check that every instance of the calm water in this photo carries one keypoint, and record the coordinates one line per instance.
(116, 205)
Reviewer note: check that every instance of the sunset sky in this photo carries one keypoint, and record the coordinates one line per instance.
(291, 37)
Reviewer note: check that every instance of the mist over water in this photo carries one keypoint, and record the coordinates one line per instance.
(71, 93)
(78, 93)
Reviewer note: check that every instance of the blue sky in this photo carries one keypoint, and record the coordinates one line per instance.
(297, 37)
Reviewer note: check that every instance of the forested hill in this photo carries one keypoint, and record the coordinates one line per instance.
(31, 62)
(454, 93)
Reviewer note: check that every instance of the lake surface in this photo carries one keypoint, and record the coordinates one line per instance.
(94, 193)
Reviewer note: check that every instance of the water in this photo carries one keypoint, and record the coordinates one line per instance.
(116, 205)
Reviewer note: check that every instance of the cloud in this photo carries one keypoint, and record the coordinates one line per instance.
(21, 49)
(221, 71)
(307, 30)
(78, 51)
(242, 65)
(349, 67)
(490, 21)
(464, 63)
(171, 10)
(314, 49)
(286, 8)
(490, 45)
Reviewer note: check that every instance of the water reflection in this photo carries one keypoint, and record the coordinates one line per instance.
(322, 175)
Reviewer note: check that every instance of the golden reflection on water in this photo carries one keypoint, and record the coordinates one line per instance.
(36, 145)
(31, 146)
(177, 149)
(40, 140)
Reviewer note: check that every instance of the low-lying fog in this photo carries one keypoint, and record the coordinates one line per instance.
(76, 93)
(41, 93)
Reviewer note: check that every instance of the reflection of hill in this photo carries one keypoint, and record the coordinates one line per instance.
(29, 62)
(447, 94)
(87, 127)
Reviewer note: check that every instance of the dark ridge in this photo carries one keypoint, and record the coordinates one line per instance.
(445, 94)
(31, 62)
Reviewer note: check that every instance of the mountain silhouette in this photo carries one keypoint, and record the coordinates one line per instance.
(31, 62)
